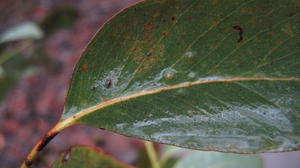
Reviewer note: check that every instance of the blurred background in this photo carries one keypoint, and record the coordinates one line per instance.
(40, 42)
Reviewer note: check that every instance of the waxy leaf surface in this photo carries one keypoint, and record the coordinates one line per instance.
(80, 156)
(218, 75)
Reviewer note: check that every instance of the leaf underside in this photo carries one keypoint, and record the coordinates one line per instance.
(205, 74)
(80, 156)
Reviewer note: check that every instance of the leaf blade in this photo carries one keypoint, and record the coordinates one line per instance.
(226, 69)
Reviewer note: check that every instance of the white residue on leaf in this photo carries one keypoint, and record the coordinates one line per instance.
(189, 54)
(153, 82)
(69, 112)
(191, 74)
(210, 78)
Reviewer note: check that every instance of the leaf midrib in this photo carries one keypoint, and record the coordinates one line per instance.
(71, 120)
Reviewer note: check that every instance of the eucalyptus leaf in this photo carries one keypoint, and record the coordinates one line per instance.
(202, 74)
(80, 156)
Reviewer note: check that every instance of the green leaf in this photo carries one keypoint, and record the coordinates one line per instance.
(80, 156)
(205, 74)
(199, 159)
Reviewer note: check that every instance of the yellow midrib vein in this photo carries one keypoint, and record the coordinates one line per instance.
(70, 120)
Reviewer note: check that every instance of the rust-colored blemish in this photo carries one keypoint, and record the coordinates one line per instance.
(84, 68)
(165, 33)
(253, 20)
(105, 100)
(292, 14)
(215, 70)
(149, 27)
(247, 11)
(145, 59)
(279, 42)
(147, 33)
(240, 30)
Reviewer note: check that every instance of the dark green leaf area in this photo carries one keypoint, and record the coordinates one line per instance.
(223, 75)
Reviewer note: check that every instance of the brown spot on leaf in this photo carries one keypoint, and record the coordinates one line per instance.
(254, 62)
(149, 27)
(247, 11)
(279, 42)
(253, 20)
(215, 70)
(292, 14)
(84, 68)
(173, 18)
(147, 33)
(105, 100)
(165, 33)
(240, 30)
(142, 57)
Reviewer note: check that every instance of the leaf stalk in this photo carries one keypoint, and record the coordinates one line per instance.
(43, 142)
(152, 154)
